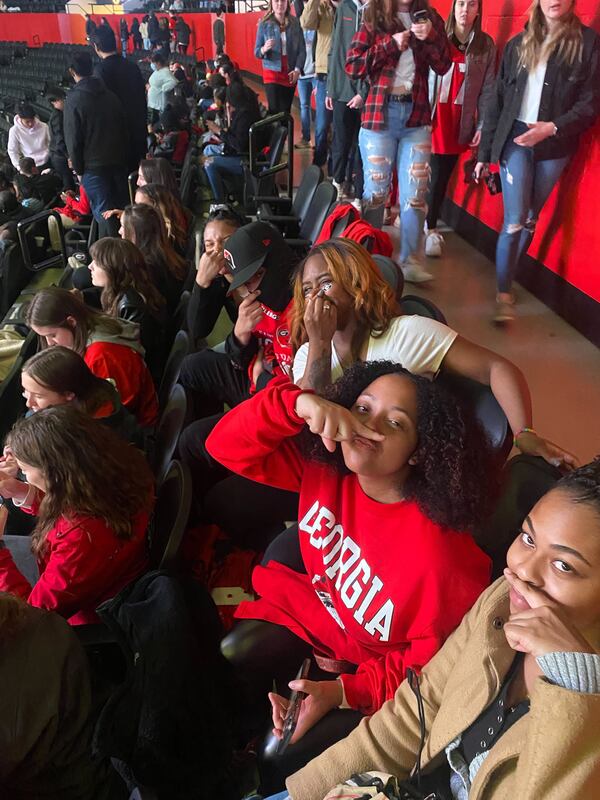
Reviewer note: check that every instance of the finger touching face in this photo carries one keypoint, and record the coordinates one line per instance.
(557, 553)
(389, 407)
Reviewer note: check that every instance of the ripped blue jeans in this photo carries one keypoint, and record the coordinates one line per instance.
(526, 185)
(409, 150)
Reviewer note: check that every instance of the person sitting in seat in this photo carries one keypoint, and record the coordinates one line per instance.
(146, 228)
(160, 171)
(118, 270)
(110, 347)
(28, 137)
(344, 312)
(226, 159)
(177, 219)
(92, 495)
(32, 185)
(212, 285)
(58, 375)
(509, 706)
(389, 565)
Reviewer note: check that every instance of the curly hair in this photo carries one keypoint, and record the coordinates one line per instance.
(88, 469)
(351, 266)
(583, 484)
(455, 473)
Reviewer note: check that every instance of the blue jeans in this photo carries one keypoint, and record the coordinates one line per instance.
(147, 44)
(106, 188)
(409, 150)
(217, 166)
(322, 122)
(305, 88)
(526, 185)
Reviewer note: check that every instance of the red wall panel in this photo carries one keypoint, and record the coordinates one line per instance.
(568, 233)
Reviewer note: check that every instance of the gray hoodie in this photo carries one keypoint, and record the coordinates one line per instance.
(340, 86)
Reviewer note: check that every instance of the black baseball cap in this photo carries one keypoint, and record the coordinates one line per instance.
(252, 247)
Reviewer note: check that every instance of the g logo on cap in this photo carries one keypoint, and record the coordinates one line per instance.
(229, 258)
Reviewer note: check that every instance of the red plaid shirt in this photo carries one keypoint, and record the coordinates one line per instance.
(373, 57)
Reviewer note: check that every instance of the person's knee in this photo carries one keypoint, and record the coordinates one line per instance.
(419, 177)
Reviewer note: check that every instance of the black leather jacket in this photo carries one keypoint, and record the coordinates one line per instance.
(570, 99)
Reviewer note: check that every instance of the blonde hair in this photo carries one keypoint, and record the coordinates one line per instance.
(269, 13)
(352, 267)
(538, 44)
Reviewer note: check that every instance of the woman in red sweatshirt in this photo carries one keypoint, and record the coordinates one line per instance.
(110, 347)
(92, 496)
(389, 569)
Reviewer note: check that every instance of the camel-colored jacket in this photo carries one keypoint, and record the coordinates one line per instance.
(551, 753)
(318, 15)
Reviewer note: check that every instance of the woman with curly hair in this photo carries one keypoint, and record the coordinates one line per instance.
(92, 496)
(344, 312)
(388, 565)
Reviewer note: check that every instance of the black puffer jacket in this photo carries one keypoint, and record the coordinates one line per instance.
(95, 128)
(570, 99)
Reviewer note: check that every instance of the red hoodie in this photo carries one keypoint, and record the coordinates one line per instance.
(385, 586)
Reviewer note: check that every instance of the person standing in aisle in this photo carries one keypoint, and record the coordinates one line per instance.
(59, 157)
(394, 53)
(345, 98)
(318, 16)
(280, 46)
(97, 141)
(547, 94)
(306, 85)
(458, 101)
(219, 32)
(123, 78)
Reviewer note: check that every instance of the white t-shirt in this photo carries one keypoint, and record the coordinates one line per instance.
(283, 44)
(532, 96)
(404, 75)
(419, 344)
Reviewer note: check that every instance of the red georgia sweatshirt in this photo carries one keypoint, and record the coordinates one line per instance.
(384, 587)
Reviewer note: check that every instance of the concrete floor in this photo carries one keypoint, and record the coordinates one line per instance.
(562, 367)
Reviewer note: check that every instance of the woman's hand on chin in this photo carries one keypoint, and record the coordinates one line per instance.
(321, 697)
(331, 422)
(542, 628)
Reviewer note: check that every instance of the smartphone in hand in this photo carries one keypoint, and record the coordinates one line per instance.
(293, 711)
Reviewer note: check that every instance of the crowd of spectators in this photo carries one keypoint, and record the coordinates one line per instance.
(323, 434)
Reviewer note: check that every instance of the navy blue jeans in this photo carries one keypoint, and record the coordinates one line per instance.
(217, 167)
(526, 185)
(106, 188)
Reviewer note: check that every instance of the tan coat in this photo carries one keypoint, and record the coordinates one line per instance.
(318, 16)
(552, 753)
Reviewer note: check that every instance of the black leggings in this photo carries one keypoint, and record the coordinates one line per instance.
(442, 167)
(279, 98)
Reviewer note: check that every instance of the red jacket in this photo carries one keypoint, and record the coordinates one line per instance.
(83, 564)
(127, 369)
(384, 586)
(75, 209)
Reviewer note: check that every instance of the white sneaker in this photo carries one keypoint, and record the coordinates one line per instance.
(357, 204)
(413, 271)
(433, 244)
(338, 186)
(396, 222)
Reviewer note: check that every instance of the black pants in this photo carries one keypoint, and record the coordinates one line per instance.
(442, 167)
(61, 167)
(346, 125)
(279, 98)
(262, 654)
